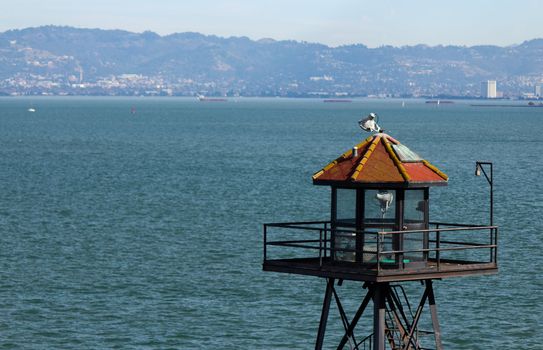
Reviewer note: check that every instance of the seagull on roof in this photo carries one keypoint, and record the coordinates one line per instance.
(369, 123)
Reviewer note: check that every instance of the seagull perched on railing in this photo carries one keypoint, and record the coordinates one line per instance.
(369, 123)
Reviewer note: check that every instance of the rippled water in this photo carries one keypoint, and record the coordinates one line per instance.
(144, 231)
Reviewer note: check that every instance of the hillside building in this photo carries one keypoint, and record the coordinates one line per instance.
(488, 89)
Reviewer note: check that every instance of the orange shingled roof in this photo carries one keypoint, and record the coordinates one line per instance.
(381, 160)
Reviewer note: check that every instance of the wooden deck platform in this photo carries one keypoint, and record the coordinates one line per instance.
(352, 271)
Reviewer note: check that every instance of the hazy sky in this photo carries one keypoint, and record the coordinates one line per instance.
(373, 23)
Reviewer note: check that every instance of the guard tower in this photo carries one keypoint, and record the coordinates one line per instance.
(380, 233)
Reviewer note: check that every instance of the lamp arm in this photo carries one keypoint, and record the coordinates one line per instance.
(490, 182)
(489, 179)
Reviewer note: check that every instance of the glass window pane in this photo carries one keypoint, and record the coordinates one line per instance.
(414, 207)
(370, 246)
(345, 242)
(346, 206)
(405, 154)
(413, 241)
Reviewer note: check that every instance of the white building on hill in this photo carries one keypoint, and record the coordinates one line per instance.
(488, 89)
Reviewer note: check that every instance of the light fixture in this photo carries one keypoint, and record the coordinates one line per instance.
(385, 199)
(477, 169)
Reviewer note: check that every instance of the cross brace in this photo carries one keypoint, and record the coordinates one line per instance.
(392, 322)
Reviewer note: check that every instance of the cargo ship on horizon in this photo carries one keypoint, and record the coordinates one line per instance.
(202, 98)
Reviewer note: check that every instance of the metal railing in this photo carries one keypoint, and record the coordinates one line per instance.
(441, 243)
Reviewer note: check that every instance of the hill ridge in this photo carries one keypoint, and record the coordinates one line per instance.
(68, 60)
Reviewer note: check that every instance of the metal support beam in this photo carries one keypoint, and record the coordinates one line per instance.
(379, 316)
(359, 312)
(415, 322)
(395, 300)
(433, 312)
(395, 316)
(344, 319)
(324, 314)
(403, 324)
(403, 327)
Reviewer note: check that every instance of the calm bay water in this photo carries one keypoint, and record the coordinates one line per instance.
(144, 231)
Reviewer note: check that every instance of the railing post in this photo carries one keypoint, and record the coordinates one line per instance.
(491, 243)
(320, 248)
(325, 239)
(496, 246)
(265, 242)
(438, 255)
(378, 253)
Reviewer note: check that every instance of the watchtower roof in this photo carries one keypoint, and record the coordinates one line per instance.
(380, 160)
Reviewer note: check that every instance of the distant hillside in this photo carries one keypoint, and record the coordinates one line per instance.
(64, 59)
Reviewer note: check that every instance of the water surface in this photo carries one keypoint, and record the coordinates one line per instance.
(143, 230)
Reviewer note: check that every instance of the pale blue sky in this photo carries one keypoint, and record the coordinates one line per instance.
(373, 23)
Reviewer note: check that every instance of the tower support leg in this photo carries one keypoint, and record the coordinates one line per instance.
(433, 312)
(379, 316)
(382, 294)
(324, 314)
